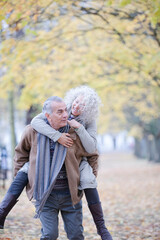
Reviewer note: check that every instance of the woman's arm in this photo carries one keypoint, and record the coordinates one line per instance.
(87, 136)
(40, 125)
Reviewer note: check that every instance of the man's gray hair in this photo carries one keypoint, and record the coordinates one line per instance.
(47, 106)
(91, 100)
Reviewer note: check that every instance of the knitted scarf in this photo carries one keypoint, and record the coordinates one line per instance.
(46, 170)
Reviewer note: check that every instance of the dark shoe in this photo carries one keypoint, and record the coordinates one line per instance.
(5, 207)
(97, 213)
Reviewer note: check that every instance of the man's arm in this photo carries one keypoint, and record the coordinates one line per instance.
(22, 150)
(80, 152)
(93, 162)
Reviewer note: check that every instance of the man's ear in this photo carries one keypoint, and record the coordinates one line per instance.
(47, 115)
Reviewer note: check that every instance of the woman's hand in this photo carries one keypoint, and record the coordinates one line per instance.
(73, 123)
(65, 140)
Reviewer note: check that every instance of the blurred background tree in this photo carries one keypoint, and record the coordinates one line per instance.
(47, 47)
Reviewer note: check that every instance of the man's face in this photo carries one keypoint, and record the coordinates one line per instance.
(58, 118)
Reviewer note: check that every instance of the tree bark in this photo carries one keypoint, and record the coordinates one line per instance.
(157, 143)
(12, 124)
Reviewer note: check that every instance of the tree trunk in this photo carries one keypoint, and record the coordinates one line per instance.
(157, 143)
(137, 148)
(33, 111)
(12, 124)
(140, 149)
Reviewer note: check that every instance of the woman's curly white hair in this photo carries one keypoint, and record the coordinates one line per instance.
(91, 100)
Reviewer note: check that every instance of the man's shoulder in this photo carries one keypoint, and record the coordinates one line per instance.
(29, 130)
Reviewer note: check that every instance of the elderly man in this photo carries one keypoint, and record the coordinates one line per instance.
(54, 173)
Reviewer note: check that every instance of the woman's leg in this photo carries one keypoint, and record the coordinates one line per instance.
(95, 208)
(10, 199)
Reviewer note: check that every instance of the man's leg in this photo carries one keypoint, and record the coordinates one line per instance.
(72, 217)
(49, 218)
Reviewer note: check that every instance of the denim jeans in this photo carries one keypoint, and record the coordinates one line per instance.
(60, 201)
(18, 184)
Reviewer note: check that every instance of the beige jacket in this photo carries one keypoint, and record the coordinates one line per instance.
(26, 151)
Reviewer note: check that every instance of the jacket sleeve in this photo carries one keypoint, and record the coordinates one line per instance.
(93, 162)
(80, 152)
(22, 151)
(88, 136)
(39, 124)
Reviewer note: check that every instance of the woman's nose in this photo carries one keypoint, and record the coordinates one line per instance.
(77, 106)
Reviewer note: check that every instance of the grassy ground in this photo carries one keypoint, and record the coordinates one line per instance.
(129, 189)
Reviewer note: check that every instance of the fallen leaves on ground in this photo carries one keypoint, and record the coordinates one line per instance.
(129, 190)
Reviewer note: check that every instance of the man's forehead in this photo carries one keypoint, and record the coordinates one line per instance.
(58, 105)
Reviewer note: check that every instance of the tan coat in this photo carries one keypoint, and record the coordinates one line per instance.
(26, 151)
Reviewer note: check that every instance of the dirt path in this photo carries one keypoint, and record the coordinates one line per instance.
(130, 194)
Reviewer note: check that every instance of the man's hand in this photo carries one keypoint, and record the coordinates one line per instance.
(65, 140)
(73, 123)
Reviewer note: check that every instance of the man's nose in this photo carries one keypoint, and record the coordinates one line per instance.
(65, 115)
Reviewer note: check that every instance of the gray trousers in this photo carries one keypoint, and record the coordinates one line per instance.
(60, 201)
